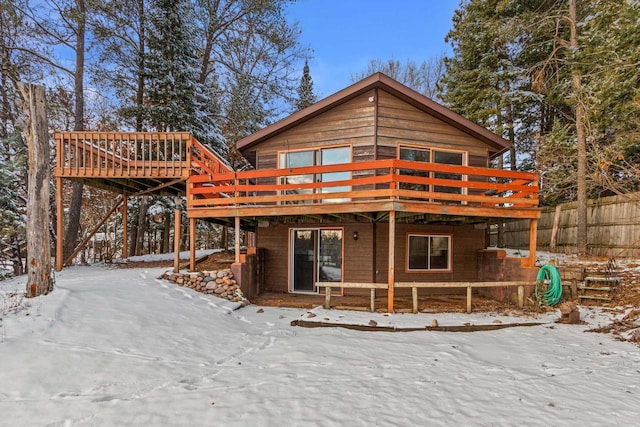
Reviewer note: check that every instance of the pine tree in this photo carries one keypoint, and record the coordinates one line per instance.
(306, 96)
(177, 101)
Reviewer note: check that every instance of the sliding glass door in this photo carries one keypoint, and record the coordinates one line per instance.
(316, 256)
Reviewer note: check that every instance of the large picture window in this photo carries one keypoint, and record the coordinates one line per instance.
(433, 155)
(428, 252)
(318, 157)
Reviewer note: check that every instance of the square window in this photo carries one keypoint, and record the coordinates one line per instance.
(429, 252)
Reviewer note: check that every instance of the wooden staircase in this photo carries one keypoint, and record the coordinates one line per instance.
(600, 286)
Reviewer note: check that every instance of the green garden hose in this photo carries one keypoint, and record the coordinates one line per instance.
(549, 277)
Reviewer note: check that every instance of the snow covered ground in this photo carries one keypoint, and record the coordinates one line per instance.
(118, 347)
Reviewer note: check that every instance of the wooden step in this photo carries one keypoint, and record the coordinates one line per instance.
(596, 288)
(594, 297)
(602, 279)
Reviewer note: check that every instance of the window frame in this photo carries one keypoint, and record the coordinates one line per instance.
(432, 149)
(315, 177)
(427, 235)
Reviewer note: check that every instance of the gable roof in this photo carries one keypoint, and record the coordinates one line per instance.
(382, 81)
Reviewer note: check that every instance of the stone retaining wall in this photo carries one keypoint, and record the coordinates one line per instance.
(219, 283)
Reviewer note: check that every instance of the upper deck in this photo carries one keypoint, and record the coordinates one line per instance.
(133, 162)
(365, 187)
(175, 163)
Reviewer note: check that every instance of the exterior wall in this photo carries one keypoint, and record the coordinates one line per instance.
(354, 123)
(348, 123)
(494, 266)
(400, 122)
(358, 254)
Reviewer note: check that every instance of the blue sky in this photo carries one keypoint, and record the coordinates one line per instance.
(345, 35)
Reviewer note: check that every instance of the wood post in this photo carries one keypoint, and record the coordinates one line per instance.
(237, 239)
(392, 261)
(327, 297)
(125, 227)
(520, 296)
(176, 240)
(554, 231)
(59, 225)
(373, 300)
(533, 231)
(469, 299)
(414, 297)
(192, 244)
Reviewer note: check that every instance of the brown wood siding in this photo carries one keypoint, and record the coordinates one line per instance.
(387, 152)
(251, 157)
(358, 261)
(363, 153)
(267, 161)
(358, 254)
(400, 122)
(348, 123)
(477, 161)
(275, 240)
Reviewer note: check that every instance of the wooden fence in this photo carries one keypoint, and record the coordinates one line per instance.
(613, 228)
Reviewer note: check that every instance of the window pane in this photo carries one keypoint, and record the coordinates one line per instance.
(415, 155)
(297, 159)
(439, 253)
(330, 256)
(429, 252)
(335, 156)
(418, 250)
(448, 158)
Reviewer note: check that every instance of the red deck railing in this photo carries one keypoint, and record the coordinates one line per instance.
(366, 181)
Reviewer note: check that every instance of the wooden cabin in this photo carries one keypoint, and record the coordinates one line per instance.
(374, 187)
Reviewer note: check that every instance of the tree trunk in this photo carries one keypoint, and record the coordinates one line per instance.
(581, 137)
(73, 225)
(500, 236)
(166, 230)
(38, 244)
(75, 207)
(225, 238)
(142, 226)
(17, 255)
(141, 68)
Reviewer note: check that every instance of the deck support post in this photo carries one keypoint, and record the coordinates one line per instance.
(237, 239)
(176, 239)
(392, 261)
(125, 227)
(414, 298)
(533, 228)
(59, 225)
(192, 244)
(521, 296)
(327, 297)
(469, 299)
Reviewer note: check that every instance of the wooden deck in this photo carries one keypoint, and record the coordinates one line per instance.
(175, 163)
(134, 162)
(383, 185)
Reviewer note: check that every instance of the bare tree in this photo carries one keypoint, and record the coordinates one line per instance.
(38, 244)
(423, 77)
